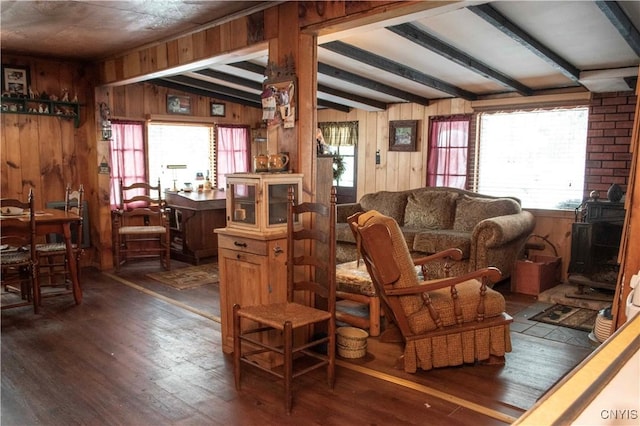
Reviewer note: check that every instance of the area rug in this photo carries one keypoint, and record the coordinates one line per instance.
(568, 316)
(189, 277)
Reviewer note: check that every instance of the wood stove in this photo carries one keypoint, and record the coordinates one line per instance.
(595, 242)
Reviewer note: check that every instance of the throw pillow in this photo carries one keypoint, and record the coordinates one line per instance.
(388, 203)
(471, 210)
(430, 210)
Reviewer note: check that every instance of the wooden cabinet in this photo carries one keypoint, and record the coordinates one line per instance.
(193, 217)
(252, 271)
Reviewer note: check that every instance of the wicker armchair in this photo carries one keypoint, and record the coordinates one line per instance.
(443, 322)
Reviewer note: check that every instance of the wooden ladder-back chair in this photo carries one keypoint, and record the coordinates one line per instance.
(443, 322)
(52, 256)
(18, 261)
(140, 225)
(303, 328)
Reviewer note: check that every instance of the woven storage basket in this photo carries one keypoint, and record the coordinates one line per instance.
(602, 327)
(352, 342)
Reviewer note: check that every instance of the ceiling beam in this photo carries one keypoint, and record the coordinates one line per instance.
(208, 90)
(333, 105)
(426, 40)
(396, 68)
(218, 75)
(259, 69)
(370, 84)
(351, 97)
(499, 21)
(213, 90)
(623, 24)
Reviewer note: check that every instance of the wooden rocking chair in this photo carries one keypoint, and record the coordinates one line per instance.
(443, 322)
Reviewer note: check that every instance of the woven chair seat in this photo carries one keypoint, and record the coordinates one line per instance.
(14, 257)
(275, 315)
(53, 247)
(140, 230)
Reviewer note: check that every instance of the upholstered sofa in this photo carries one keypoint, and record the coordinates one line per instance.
(490, 231)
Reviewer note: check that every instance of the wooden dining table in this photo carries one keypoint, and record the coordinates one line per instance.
(55, 221)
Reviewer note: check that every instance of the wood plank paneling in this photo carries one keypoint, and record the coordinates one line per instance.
(397, 170)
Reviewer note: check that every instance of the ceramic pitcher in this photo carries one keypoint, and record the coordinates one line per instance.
(260, 163)
(278, 162)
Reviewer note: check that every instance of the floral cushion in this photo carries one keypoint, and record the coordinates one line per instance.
(470, 211)
(430, 210)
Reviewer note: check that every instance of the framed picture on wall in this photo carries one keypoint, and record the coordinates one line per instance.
(15, 81)
(217, 109)
(178, 104)
(403, 135)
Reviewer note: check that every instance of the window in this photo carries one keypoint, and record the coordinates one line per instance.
(342, 139)
(448, 148)
(127, 157)
(233, 152)
(537, 156)
(180, 145)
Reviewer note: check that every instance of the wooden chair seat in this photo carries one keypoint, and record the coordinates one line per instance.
(141, 230)
(13, 256)
(277, 314)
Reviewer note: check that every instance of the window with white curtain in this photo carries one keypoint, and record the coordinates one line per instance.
(537, 156)
(190, 145)
(448, 149)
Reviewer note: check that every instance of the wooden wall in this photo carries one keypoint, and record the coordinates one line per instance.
(142, 101)
(46, 152)
(397, 170)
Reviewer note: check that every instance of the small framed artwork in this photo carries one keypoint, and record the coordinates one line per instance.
(15, 81)
(178, 104)
(403, 135)
(217, 109)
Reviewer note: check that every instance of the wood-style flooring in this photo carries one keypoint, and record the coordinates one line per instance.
(137, 352)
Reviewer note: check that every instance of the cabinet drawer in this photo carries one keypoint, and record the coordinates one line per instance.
(245, 245)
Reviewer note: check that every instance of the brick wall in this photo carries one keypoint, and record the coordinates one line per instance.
(608, 141)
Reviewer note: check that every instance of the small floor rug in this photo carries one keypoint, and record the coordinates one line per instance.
(189, 277)
(568, 316)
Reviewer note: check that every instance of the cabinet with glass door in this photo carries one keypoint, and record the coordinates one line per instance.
(257, 202)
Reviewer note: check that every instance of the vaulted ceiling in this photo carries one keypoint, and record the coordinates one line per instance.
(468, 50)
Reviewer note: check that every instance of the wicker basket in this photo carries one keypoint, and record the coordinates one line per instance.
(602, 327)
(352, 342)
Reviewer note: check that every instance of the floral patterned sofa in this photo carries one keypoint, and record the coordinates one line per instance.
(490, 231)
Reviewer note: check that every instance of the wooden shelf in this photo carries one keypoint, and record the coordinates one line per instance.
(27, 106)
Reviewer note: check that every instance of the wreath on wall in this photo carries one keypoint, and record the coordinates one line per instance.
(338, 167)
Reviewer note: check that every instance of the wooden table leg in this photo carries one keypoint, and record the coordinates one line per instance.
(71, 263)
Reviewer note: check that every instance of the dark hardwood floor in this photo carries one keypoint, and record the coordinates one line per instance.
(127, 356)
